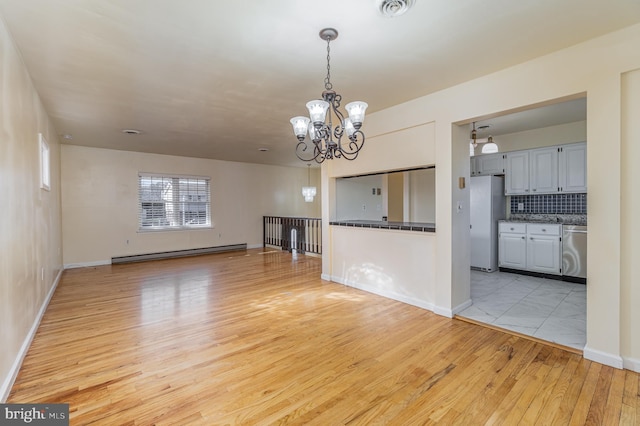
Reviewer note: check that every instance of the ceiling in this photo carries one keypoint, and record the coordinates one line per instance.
(220, 79)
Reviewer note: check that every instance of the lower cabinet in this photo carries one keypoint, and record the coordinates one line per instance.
(512, 245)
(530, 246)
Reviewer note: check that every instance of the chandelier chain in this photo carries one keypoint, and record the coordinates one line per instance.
(327, 80)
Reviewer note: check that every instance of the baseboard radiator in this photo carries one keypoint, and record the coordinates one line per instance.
(177, 253)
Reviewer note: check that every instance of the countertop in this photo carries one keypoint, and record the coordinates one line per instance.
(378, 224)
(548, 218)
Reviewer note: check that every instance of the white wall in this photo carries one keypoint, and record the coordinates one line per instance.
(544, 136)
(30, 230)
(100, 196)
(422, 196)
(355, 199)
(595, 68)
(630, 226)
(395, 264)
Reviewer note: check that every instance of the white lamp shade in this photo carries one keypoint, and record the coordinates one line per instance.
(312, 133)
(300, 125)
(308, 192)
(356, 112)
(317, 110)
(348, 126)
(489, 148)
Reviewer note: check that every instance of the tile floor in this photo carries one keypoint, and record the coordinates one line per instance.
(547, 309)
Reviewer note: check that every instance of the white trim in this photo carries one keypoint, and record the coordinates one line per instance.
(255, 246)
(384, 293)
(605, 358)
(449, 313)
(325, 277)
(17, 363)
(632, 364)
(86, 264)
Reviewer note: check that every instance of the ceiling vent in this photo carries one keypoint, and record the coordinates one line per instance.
(392, 8)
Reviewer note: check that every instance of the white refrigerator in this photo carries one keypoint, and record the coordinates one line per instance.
(487, 207)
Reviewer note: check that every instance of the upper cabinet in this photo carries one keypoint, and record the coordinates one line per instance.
(488, 164)
(543, 172)
(573, 168)
(516, 175)
(551, 170)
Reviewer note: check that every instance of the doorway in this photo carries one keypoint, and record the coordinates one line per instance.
(548, 309)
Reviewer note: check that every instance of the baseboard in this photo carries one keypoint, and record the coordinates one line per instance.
(86, 264)
(449, 313)
(17, 363)
(178, 253)
(254, 246)
(385, 293)
(632, 364)
(603, 357)
(325, 277)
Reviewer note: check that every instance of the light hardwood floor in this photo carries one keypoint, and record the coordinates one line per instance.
(258, 338)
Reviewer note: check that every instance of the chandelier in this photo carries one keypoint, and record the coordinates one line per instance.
(308, 192)
(325, 136)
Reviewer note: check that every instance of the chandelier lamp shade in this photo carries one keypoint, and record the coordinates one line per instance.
(326, 125)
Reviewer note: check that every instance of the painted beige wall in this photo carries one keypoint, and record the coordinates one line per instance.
(595, 68)
(422, 196)
(30, 230)
(100, 196)
(395, 197)
(545, 136)
(395, 264)
(630, 226)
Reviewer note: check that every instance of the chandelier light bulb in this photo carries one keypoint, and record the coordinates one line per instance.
(356, 112)
(348, 127)
(317, 111)
(300, 125)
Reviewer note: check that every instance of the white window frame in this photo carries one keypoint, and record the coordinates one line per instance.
(45, 163)
(166, 207)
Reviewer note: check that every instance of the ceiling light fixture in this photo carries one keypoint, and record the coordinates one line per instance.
(489, 145)
(393, 8)
(327, 139)
(308, 192)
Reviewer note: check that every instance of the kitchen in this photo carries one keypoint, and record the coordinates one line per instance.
(528, 223)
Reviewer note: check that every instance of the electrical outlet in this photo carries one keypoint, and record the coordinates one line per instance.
(364, 207)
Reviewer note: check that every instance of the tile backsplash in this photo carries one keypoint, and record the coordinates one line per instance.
(550, 204)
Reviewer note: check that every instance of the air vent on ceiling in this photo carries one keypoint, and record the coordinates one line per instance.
(392, 8)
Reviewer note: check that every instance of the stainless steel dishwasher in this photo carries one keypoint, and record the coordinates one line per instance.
(574, 252)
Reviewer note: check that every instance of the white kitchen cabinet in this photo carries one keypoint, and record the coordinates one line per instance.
(516, 166)
(473, 168)
(530, 247)
(543, 163)
(512, 245)
(489, 164)
(572, 170)
(543, 248)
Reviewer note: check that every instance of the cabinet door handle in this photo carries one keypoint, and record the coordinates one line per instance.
(511, 229)
(544, 230)
(531, 238)
(524, 238)
(534, 190)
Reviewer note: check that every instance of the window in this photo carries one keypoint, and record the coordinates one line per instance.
(45, 172)
(173, 202)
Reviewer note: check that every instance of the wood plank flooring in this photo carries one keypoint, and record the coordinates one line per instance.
(257, 338)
